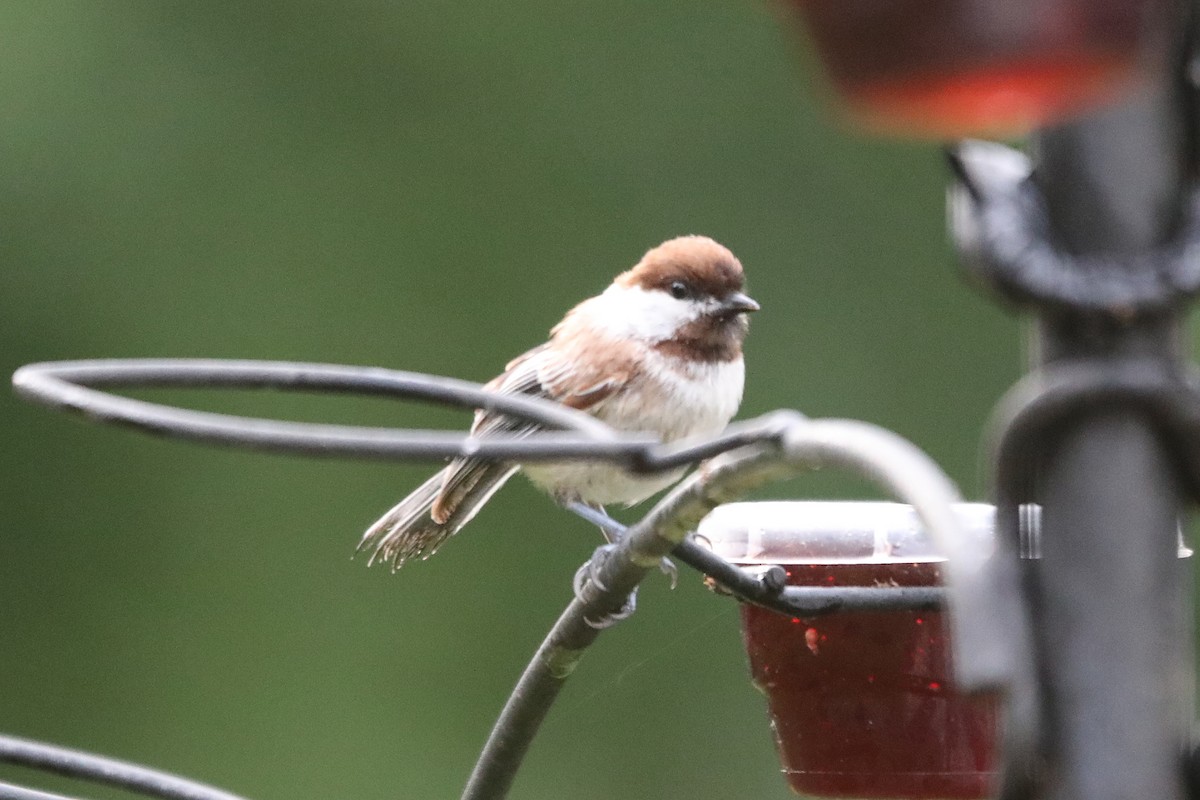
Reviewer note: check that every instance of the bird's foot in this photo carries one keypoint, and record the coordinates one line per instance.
(590, 571)
(609, 527)
(613, 531)
(668, 568)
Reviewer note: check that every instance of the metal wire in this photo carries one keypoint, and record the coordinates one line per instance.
(768, 587)
(72, 386)
(804, 601)
(750, 453)
(101, 769)
(69, 386)
(10, 791)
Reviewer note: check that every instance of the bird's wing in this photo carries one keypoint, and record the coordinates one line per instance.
(541, 372)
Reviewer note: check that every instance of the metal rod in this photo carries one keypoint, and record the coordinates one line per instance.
(10, 791)
(768, 587)
(89, 766)
(804, 601)
(70, 386)
(1107, 591)
(57, 384)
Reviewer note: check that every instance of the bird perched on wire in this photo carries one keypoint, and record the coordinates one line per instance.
(658, 351)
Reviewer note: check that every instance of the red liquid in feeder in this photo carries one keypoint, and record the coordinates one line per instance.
(948, 68)
(862, 703)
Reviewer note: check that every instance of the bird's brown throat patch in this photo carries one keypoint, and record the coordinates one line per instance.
(708, 339)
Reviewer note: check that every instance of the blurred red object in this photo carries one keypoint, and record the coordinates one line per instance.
(950, 68)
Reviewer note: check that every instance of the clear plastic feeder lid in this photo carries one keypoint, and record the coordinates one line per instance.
(794, 532)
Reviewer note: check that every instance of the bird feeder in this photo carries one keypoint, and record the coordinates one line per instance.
(862, 703)
(949, 68)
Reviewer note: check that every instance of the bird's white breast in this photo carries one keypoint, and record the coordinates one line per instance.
(677, 399)
(672, 399)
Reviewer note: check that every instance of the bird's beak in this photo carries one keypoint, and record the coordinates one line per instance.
(739, 303)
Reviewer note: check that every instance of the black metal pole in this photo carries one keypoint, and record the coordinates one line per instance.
(1114, 653)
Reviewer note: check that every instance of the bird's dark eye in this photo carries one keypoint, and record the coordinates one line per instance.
(679, 290)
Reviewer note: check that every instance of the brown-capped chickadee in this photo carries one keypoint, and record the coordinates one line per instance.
(659, 351)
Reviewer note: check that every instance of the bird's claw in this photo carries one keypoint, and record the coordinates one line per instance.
(668, 568)
(613, 617)
(590, 571)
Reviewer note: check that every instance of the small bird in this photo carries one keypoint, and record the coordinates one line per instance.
(658, 351)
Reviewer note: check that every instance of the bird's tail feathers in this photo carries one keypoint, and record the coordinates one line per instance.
(409, 530)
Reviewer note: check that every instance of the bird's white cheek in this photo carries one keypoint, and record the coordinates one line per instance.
(631, 312)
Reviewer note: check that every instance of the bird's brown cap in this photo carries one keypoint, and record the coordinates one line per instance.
(706, 266)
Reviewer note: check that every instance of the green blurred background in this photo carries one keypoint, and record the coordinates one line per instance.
(427, 186)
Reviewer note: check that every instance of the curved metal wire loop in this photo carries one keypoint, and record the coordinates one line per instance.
(72, 386)
(1035, 407)
(69, 386)
(99, 769)
(1038, 403)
